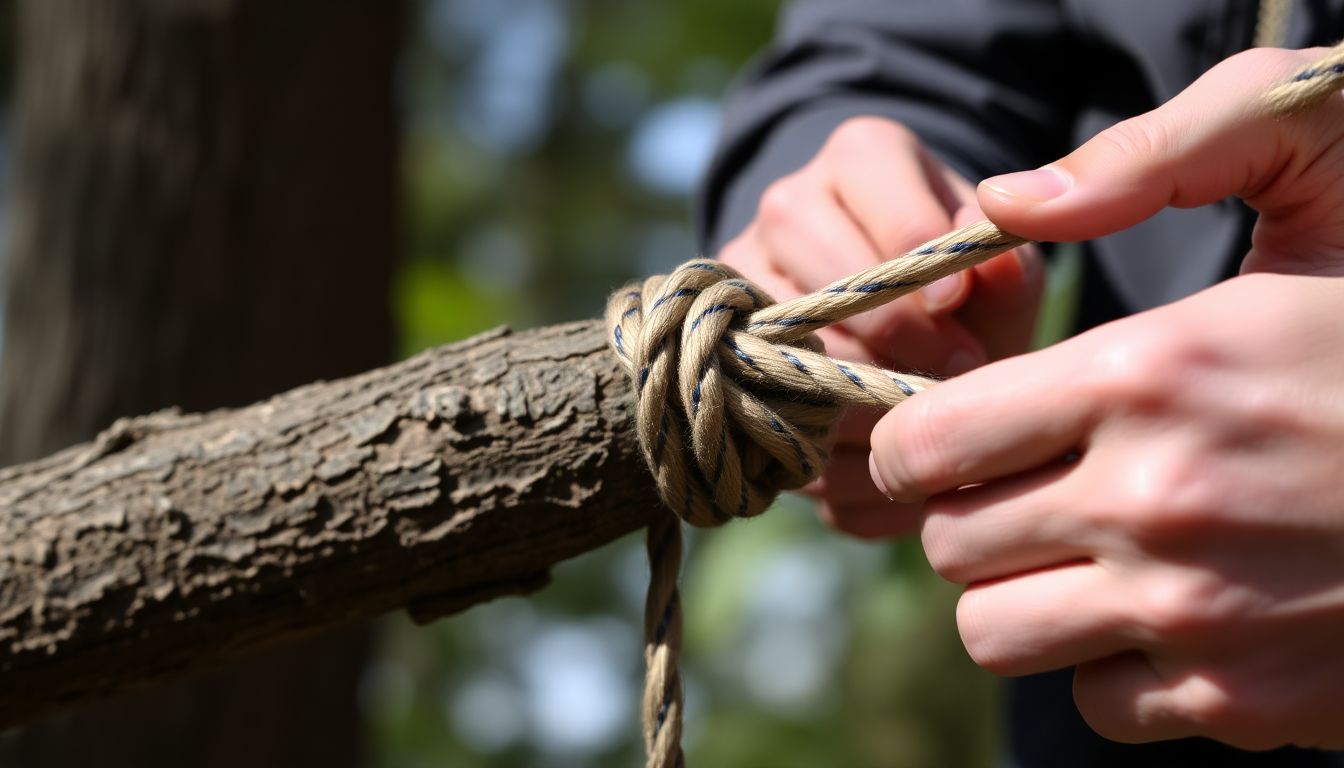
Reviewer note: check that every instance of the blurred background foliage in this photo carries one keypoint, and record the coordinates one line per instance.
(551, 148)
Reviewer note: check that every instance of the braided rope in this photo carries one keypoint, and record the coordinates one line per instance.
(1271, 23)
(736, 399)
(1309, 86)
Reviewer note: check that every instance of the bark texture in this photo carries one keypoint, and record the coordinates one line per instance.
(458, 475)
(203, 215)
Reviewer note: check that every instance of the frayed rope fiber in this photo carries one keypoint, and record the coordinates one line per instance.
(736, 398)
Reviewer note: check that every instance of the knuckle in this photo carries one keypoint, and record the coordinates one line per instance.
(1109, 718)
(1199, 703)
(853, 146)
(944, 542)
(1215, 711)
(857, 136)
(977, 636)
(987, 643)
(737, 253)
(781, 201)
(938, 536)
(1185, 606)
(1134, 370)
(860, 521)
(900, 234)
(1166, 607)
(748, 257)
(1163, 497)
(1145, 136)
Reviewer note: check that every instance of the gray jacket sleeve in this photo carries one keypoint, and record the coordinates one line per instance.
(980, 81)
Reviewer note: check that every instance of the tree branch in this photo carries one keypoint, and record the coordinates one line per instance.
(456, 476)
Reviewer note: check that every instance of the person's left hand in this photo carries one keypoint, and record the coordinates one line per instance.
(874, 191)
(1160, 501)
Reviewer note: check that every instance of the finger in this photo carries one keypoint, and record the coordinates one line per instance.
(1005, 295)
(851, 504)
(1042, 620)
(841, 345)
(871, 521)
(947, 294)
(899, 195)
(818, 243)
(1124, 698)
(744, 255)
(913, 340)
(845, 480)
(961, 191)
(1209, 142)
(920, 349)
(994, 530)
(807, 233)
(1008, 417)
(855, 432)
(892, 187)
(1005, 301)
(903, 336)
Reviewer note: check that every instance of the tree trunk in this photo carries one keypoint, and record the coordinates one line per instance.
(204, 197)
(447, 479)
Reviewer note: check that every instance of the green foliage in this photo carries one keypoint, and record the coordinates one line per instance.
(436, 302)
(1060, 304)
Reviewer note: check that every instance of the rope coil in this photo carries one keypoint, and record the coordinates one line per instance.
(736, 398)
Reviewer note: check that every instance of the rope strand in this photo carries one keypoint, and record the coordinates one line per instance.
(1271, 23)
(736, 399)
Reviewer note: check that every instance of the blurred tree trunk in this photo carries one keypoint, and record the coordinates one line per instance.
(204, 214)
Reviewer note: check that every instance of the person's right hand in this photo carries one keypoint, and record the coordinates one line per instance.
(872, 193)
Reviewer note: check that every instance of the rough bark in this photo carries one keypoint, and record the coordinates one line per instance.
(458, 475)
(204, 199)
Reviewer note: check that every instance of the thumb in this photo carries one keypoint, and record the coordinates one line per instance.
(1211, 141)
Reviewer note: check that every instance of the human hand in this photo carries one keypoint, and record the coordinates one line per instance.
(1158, 501)
(871, 193)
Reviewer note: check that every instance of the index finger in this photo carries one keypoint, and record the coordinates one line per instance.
(1004, 418)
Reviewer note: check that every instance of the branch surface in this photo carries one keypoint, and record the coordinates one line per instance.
(171, 540)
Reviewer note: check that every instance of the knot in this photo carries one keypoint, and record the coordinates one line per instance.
(736, 402)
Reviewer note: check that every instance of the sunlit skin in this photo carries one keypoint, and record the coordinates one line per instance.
(871, 193)
(1159, 501)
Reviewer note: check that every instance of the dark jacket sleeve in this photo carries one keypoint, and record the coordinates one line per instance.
(982, 82)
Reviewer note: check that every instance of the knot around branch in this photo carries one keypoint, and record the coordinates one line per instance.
(728, 415)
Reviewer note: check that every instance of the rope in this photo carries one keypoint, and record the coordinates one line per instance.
(736, 399)
(1271, 23)
(1308, 87)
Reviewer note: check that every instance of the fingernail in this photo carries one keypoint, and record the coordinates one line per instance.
(963, 360)
(1030, 261)
(1045, 183)
(941, 293)
(877, 478)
